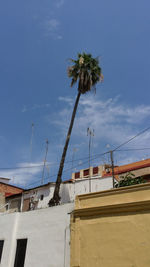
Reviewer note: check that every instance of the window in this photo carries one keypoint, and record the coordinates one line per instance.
(95, 170)
(41, 197)
(1, 248)
(20, 252)
(77, 175)
(86, 172)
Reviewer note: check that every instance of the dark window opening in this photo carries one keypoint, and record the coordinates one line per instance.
(86, 172)
(95, 170)
(1, 248)
(42, 197)
(20, 252)
(77, 175)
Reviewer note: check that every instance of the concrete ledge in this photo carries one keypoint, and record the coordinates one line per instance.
(115, 196)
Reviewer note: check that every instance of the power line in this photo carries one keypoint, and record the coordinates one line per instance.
(70, 161)
(145, 130)
(96, 156)
(49, 164)
(133, 149)
(66, 170)
(80, 164)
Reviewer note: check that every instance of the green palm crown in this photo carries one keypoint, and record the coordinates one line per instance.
(86, 71)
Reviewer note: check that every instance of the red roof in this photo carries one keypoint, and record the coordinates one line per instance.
(129, 167)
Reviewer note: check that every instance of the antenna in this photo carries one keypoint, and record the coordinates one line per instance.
(42, 180)
(90, 133)
(112, 167)
(73, 155)
(31, 142)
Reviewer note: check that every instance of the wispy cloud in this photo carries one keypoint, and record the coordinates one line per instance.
(28, 174)
(66, 99)
(22, 176)
(34, 107)
(113, 122)
(51, 28)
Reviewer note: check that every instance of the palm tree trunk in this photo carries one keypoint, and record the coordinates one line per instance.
(56, 198)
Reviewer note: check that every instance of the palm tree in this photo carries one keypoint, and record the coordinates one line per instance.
(87, 72)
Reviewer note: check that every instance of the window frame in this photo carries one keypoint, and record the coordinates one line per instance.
(1, 248)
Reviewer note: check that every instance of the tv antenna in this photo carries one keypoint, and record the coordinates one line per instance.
(31, 141)
(90, 133)
(42, 180)
(73, 156)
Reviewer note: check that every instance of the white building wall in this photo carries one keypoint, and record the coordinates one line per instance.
(48, 234)
(46, 191)
(68, 191)
(81, 186)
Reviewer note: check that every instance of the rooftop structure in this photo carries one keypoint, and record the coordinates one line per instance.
(139, 168)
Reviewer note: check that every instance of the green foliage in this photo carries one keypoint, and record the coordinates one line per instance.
(129, 179)
(86, 71)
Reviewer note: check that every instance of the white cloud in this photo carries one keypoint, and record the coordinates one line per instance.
(113, 122)
(51, 25)
(34, 107)
(22, 176)
(66, 99)
(51, 28)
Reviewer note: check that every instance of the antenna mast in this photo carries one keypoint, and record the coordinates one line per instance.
(31, 142)
(73, 155)
(42, 180)
(90, 133)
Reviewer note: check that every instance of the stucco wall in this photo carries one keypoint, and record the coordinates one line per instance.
(48, 234)
(111, 228)
(46, 191)
(2, 202)
(68, 191)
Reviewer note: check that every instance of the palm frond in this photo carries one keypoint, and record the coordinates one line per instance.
(86, 71)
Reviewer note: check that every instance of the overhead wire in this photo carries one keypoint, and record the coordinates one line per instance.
(129, 140)
(48, 164)
(92, 159)
(133, 149)
(51, 164)
(66, 170)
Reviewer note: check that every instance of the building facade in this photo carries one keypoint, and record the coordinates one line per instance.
(41, 238)
(111, 228)
(139, 169)
(38, 197)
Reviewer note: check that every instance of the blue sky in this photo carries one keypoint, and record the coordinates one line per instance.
(37, 39)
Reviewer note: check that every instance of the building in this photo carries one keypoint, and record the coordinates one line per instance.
(14, 202)
(39, 238)
(96, 171)
(139, 168)
(38, 197)
(2, 202)
(111, 228)
(7, 190)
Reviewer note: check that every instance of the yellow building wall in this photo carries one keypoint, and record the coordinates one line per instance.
(2, 202)
(115, 232)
